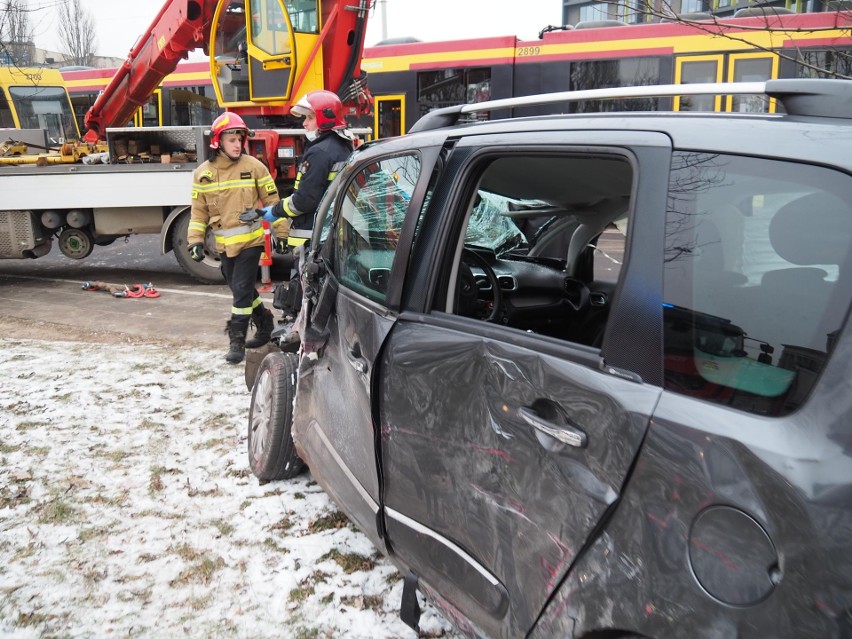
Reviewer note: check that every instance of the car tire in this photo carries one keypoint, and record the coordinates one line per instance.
(271, 451)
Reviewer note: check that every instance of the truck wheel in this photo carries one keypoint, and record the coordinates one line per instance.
(76, 243)
(206, 272)
(271, 451)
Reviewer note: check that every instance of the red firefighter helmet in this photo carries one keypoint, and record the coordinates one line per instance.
(228, 122)
(326, 106)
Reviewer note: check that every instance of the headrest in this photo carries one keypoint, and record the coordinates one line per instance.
(814, 229)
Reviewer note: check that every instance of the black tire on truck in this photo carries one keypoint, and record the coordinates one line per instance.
(208, 271)
(271, 452)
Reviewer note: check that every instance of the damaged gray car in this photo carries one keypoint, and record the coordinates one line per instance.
(588, 375)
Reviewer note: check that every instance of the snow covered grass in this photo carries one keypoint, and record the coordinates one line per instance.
(127, 509)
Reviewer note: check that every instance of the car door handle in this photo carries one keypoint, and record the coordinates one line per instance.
(355, 360)
(566, 434)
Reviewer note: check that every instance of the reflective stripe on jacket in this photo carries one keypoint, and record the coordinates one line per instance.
(222, 189)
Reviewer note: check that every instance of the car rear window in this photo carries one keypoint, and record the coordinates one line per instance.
(758, 278)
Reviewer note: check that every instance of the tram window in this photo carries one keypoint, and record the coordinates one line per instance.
(6, 119)
(825, 64)
(151, 112)
(698, 72)
(751, 70)
(601, 74)
(191, 109)
(45, 108)
(436, 89)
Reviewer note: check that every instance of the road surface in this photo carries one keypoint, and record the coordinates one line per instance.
(46, 294)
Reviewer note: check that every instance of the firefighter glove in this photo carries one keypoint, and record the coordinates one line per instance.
(269, 213)
(196, 251)
(250, 215)
(279, 245)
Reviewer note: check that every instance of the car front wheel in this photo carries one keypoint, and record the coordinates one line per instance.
(271, 451)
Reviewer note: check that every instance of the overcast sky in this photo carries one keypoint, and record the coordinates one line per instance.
(120, 22)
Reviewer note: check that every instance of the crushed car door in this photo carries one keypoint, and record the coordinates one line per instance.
(364, 256)
(507, 438)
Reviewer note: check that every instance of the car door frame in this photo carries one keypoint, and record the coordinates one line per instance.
(637, 305)
(331, 315)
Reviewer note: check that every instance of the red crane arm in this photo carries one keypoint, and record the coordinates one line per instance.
(180, 27)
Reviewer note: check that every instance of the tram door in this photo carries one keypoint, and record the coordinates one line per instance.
(730, 67)
(389, 115)
(751, 67)
(697, 70)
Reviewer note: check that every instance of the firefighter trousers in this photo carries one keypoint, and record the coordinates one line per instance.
(241, 275)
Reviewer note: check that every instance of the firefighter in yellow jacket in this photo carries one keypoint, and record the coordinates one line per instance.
(224, 186)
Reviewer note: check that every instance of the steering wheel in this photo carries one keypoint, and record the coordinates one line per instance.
(468, 291)
(576, 294)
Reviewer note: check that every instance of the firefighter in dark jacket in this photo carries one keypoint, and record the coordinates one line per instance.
(328, 144)
(224, 186)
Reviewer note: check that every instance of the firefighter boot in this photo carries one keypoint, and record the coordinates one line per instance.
(263, 324)
(237, 327)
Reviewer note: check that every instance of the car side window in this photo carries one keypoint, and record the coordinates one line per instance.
(758, 278)
(372, 212)
(528, 259)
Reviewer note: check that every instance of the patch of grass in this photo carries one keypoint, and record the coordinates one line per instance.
(140, 595)
(186, 552)
(65, 397)
(149, 424)
(14, 496)
(330, 521)
(200, 571)
(350, 562)
(116, 455)
(320, 576)
(156, 514)
(29, 425)
(298, 495)
(364, 602)
(28, 619)
(114, 501)
(7, 448)
(329, 598)
(272, 544)
(393, 578)
(92, 532)
(225, 528)
(94, 574)
(200, 603)
(216, 421)
(57, 511)
(39, 451)
(239, 473)
(301, 592)
(197, 372)
(155, 482)
(197, 492)
(215, 442)
(282, 526)
(306, 633)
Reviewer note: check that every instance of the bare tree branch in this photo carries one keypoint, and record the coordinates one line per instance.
(16, 33)
(77, 33)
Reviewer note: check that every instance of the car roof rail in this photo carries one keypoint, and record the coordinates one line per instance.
(802, 96)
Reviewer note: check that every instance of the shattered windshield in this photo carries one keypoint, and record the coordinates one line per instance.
(489, 227)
